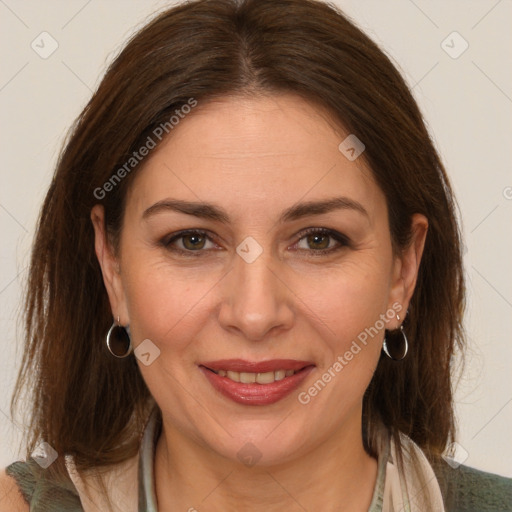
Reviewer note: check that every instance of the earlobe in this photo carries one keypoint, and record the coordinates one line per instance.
(109, 265)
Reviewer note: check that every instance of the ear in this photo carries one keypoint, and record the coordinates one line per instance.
(406, 266)
(110, 267)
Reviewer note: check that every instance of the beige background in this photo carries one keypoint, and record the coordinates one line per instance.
(467, 102)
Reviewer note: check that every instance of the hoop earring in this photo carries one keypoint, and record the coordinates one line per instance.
(119, 343)
(396, 355)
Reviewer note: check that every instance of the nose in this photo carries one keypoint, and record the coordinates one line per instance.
(255, 298)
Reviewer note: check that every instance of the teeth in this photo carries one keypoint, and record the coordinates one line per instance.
(247, 378)
(233, 376)
(265, 378)
(251, 378)
(280, 375)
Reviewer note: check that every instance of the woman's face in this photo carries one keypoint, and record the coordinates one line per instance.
(249, 283)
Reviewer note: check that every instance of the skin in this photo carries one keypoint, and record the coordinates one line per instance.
(255, 158)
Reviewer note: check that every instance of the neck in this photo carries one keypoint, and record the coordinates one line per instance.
(336, 475)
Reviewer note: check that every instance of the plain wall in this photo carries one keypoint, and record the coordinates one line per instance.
(466, 102)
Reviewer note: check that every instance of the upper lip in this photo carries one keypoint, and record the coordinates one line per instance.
(240, 365)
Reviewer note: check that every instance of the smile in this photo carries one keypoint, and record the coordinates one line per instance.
(256, 383)
(259, 378)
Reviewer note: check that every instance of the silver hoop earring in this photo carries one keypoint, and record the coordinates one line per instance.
(119, 343)
(392, 352)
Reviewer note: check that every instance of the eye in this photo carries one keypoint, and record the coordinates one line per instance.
(321, 240)
(188, 241)
(317, 241)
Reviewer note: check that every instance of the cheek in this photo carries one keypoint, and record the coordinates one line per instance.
(166, 303)
(348, 311)
(346, 299)
(348, 303)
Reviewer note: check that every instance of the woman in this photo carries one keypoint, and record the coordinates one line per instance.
(246, 286)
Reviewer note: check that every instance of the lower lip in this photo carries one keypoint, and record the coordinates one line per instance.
(256, 394)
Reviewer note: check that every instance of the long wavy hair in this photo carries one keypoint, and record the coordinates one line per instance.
(92, 406)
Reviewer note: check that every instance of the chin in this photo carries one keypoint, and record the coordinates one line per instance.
(264, 444)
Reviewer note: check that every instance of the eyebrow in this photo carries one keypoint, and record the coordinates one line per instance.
(215, 213)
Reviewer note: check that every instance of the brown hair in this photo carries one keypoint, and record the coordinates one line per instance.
(88, 404)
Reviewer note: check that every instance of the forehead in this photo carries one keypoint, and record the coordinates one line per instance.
(254, 154)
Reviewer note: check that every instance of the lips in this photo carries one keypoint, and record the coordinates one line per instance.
(256, 383)
(240, 365)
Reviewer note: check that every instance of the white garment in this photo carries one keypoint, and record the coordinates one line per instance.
(407, 494)
(121, 481)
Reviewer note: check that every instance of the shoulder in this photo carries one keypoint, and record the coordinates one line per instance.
(29, 486)
(466, 489)
(11, 498)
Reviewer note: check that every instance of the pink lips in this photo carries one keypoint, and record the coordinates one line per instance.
(255, 393)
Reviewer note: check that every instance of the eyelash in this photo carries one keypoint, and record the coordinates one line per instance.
(342, 240)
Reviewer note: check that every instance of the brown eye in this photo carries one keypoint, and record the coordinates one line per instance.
(318, 241)
(193, 241)
(188, 242)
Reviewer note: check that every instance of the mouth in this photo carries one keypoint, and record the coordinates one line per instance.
(256, 383)
(259, 378)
